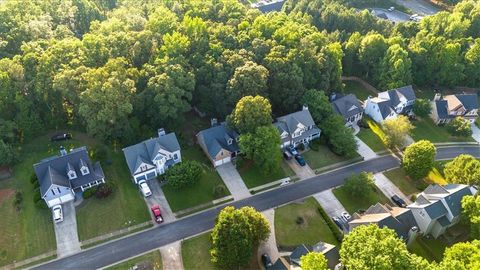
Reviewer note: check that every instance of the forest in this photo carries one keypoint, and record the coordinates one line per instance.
(114, 68)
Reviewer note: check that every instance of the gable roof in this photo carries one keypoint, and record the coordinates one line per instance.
(469, 101)
(215, 139)
(269, 6)
(347, 106)
(384, 107)
(436, 210)
(454, 200)
(280, 264)
(298, 252)
(145, 151)
(292, 120)
(449, 102)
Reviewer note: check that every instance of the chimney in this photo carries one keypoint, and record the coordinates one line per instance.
(412, 235)
(161, 132)
(333, 96)
(437, 97)
(305, 107)
(63, 152)
(213, 122)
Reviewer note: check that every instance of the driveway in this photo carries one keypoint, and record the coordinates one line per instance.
(331, 205)
(66, 232)
(303, 172)
(394, 16)
(172, 256)
(270, 246)
(388, 188)
(158, 197)
(420, 7)
(365, 151)
(475, 133)
(233, 181)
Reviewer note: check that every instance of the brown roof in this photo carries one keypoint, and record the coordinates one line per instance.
(453, 102)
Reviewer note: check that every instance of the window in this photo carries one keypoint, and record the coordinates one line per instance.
(58, 190)
(53, 192)
(175, 156)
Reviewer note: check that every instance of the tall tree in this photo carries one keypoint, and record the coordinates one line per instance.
(247, 80)
(371, 53)
(422, 107)
(471, 212)
(464, 169)
(251, 113)
(396, 69)
(262, 147)
(318, 105)
(339, 137)
(462, 256)
(396, 131)
(419, 158)
(314, 261)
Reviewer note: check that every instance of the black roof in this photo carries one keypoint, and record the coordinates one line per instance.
(347, 106)
(469, 101)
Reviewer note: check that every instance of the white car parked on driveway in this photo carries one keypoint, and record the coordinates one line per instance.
(57, 213)
(144, 188)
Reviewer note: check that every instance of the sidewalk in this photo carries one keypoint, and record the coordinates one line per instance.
(475, 133)
(388, 188)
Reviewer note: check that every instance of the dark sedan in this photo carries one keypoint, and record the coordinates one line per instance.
(61, 137)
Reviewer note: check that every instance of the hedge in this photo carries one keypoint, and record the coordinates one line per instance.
(335, 230)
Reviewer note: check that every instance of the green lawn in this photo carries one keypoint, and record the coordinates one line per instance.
(253, 176)
(354, 87)
(403, 182)
(428, 248)
(425, 129)
(313, 229)
(371, 139)
(153, 258)
(352, 203)
(323, 157)
(200, 193)
(196, 253)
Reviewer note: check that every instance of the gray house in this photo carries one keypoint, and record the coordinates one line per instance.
(297, 128)
(446, 108)
(348, 107)
(438, 208)
(220, 143)
(63, 175)
(150, 158)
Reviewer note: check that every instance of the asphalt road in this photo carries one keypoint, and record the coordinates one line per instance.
(156, 237)
(421, 7)
(394, 16)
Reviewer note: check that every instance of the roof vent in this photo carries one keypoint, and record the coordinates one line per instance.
(161, 132)
(63, 152)
(213, 122)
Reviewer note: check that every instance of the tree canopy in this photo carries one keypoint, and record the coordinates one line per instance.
(251, 113)
(464, 169)
(314, 261)
(419, 158)
(396, 131)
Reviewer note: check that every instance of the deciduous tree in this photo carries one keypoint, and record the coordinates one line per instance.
(251, 113)
(314, 261)
(396, 131)
(471, 212)
(422, 107)
(419, 158)
(464, 169)
(462, 256)
(359, 185)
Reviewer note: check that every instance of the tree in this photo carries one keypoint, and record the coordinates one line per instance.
(8, 155)
(339, 137)
(422, 107)
(318, 105)
(396, 69)
(460, 127)
(396, 131)
(419, 158)
(314, 261)
(236, 235)
(372, 248)
(462, 256)
(464, 169)
(262, 147)
(359, 185)
(371, 53)
(184, 174)
(251, 113)
(247, 80)
(471, 210)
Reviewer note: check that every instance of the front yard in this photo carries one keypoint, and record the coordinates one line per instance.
(323, 157)
(301, 223)
(254, 177)
(196, 253)
(353, 203)
(425, 129)
(371, 139)
(152, 260)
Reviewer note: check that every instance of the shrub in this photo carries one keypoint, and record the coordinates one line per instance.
(363, 123)
(219, 191)
(299, 220)
(335, 230)
(36, 184)
(359, 185)
(99, 153)
(90, 192)
(33, 178)
(422, 107)
(104, 190)
(315, 145)
(184, 174)
(459, 127)
(17, 202)
(37, 197)
(301, 147)
(413, 197)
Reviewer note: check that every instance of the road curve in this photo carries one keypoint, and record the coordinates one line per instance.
(135, 244)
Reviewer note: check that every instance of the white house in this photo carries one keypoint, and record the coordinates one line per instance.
(297, 128)
(390, 104)
(152, 157)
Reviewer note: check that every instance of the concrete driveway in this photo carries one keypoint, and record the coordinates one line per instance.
(233, 181)
(365, 151)
(270, 246)
(158, 197)
(66, 232)
(172, 256)
(475, 133)
(303, 172)
(420, 7)
(388, 188)
(329, 203)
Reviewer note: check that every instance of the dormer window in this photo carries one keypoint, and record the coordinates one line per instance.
(230, 141)
(84, 170)
(72, 174)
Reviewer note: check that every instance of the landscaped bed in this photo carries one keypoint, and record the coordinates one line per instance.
(425, 129)
(353, 203)
(371, 139)
(254, 177)
(196, 253)
(301, 223)
(323, 157)
(152, 259)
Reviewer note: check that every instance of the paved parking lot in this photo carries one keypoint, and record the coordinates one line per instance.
(66, 232)
(233, 181)
(159, 198)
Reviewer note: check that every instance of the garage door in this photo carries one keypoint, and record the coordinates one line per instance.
(54, 202)
(222, 161)
(141, 177)
(151, 175)
(66, 198)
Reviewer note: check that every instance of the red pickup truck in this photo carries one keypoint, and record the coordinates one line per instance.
(156, 213)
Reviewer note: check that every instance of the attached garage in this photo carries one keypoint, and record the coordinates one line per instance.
(145, 176)
(60, 200)
(222, 161)
(151, 175)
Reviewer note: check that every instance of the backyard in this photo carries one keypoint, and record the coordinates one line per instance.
(253, 176)
(195, 253)
(354, 87)
(152, 260)
(371, 139)
(322, 157)
(425, 129)
(355, 203)
(301, 223)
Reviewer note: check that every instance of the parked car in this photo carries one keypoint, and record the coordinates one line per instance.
(57, 213)
(398, 201)
(157, 213)
(287, 155)
(61, 137)
(414, 17)
(337, 221)
(391, 9)
(292, 150)
(300, 160)
(346, 216)
(144, 188)
(266, 260)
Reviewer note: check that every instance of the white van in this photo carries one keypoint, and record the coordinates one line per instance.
(57, 213)
(144, 188)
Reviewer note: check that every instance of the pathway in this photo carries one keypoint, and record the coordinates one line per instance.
(172, 256)
(233, 181)
(475, 133)
(329, 203)
(388, 188)
(158, 197)
(303, 172)
(270, 246)
(365, 151)
(66, 232)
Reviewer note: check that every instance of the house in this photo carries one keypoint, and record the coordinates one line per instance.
(219, 142)
(348, 107)
(60, 177)
(329, 251)
(399, 219)
(280, 264)
(446, 108)
(391, 103)
(150, 158)
(297, 128)
(438, 208)
(268, 5)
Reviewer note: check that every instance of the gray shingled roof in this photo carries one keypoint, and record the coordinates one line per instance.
(273, 6)
(469, 101)
(279, 265)
(385, 108)
(298, 252)
(215, 138)
(292, 120)
(347, 106)
(454, 200)
(436, 210)
(145, 151)
(435, 189)
(53, 170)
